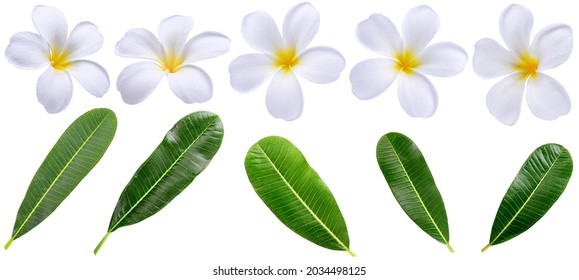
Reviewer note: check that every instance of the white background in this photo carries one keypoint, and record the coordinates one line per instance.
(219, 220)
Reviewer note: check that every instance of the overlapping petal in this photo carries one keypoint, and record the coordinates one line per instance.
(515, 26)
(380, 35)
(284, 98)
(261, 33)
(553, 44)
(504, 99)
(443, 60)
(371, 77)
(51, 24)
(54, 90)
(138, 80)
(140, 43)
(300, 25)
(249, 71)
(85, 39)
(27, 50)
(205, 45)
(419, 27)
(491, 60)
(91, 76)
(191, 84)
(417, 95)
(320, 65)
(173, 32)
(547, 98)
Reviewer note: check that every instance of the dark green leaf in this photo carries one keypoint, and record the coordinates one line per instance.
(539, 183)
(295, 193)
(411, 182)
(73, 156)
(184, 153)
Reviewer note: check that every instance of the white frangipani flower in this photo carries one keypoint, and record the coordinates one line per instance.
(53, 46)
(172, 55)
(523, 64)
(407, 55)
(283, 56)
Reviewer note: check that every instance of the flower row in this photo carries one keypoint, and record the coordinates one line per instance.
(284, 56)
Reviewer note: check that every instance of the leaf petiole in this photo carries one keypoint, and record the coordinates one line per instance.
(98, 247)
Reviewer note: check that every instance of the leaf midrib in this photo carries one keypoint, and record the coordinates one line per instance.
(15, 235)
(418, 196)
(527, 200)
(303, 202)
(113, 228)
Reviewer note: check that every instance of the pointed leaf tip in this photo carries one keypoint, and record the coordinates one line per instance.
(412, 184)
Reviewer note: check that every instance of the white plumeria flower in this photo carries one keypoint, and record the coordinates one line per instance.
(62, 54)
(524, 62)
(283, 56)
(172, 55)
(407, 55)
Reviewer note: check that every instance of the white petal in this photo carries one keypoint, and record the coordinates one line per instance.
(504, 99)
(419, 27)
(443, 60)
(547, 98)
(515, 25)
(206, 45)
(300, 26)
(54, 90)
(491, 60)
(140, 43)
(27, 50)
(91, 76)
(379, 34)
(261, 33)
(553, 45)
(417, 95)
(173, 32)
(191, 84)
(284, 98)
(320, 65)
(84, 40)
(138, 80)
(249, 71)
(51, 24)
(371, 77)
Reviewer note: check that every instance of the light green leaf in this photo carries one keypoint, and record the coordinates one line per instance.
(76, 152)
(295, 193)
(539, 183)
(184, 153)
(411, 182)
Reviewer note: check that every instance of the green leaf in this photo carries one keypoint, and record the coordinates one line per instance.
(295, 193)
(411, 182)
(186, 150)
(539, 183)
(76, 152)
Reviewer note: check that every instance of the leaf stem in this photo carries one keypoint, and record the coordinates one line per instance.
(449, 247)
(8, 243)
(486, 247)
(98, 247)
(350, 252)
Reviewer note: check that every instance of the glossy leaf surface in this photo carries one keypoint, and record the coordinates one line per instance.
(76, 152)
(412, 184)
(295, 193)
(539, 183)
(186, 150)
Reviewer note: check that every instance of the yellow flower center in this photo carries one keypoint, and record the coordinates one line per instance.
(172, 62)
(406, 61)
(527, 65)
(286, 59)
(58, 59)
